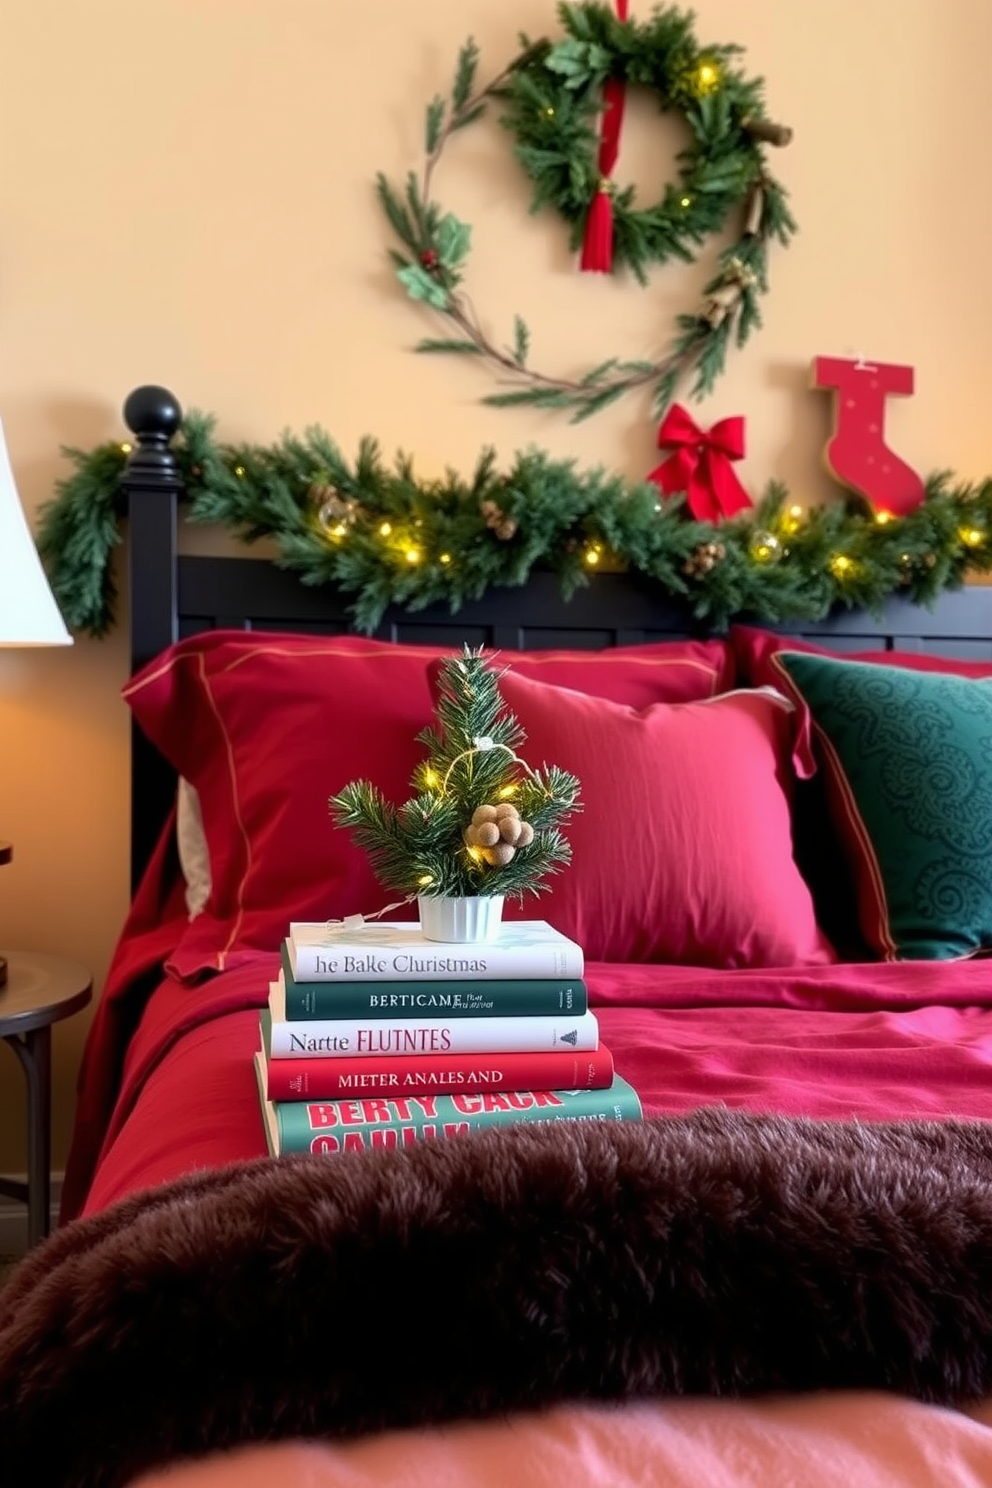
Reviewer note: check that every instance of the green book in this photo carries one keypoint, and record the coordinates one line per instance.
(328, 1127)
(472, 997)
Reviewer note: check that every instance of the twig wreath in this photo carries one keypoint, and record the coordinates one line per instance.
(552, 96)
(385, 537)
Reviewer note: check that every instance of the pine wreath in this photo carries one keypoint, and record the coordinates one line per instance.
(551, 97)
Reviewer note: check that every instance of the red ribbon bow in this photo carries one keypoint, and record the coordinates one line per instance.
(701, 465)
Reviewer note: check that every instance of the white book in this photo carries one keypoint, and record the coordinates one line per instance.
(389, 950)
(373, 1038)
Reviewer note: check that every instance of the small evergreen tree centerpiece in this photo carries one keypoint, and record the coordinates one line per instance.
(482, 823)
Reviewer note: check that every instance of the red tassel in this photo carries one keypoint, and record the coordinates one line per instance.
(597, 245)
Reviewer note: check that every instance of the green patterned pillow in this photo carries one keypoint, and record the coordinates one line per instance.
(908, 761)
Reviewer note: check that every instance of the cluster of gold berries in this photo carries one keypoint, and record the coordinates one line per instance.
(496, 832)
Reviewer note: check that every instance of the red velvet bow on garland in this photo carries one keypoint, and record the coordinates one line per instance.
(597, 242)
(701, 464)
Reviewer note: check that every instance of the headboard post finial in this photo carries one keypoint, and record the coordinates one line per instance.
(153, 415)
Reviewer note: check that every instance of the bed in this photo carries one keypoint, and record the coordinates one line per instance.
(782, 1274)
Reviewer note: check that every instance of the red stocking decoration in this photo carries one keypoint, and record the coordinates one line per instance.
(701, 464)
(597, 243)
(857, 454)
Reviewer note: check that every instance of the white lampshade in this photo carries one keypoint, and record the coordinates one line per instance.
(29, 615)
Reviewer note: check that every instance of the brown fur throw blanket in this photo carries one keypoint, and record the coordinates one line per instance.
(718, 1253)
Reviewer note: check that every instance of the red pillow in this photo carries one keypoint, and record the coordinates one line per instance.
(682, 851)
(661, 672)
(267, 727)
(755, 650)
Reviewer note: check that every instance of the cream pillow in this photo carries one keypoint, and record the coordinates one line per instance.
(194, 858)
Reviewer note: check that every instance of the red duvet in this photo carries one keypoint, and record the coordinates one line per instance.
(168, 1082)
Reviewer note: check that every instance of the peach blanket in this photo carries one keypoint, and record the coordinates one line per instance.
(849, 1440)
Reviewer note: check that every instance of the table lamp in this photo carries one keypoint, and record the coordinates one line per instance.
(29, 615)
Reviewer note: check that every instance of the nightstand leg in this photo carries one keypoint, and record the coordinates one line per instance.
(34, 1050)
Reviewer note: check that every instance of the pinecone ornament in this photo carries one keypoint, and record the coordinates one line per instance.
(703, 558)
(504, 526)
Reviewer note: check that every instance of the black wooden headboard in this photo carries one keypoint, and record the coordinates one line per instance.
(173, 595)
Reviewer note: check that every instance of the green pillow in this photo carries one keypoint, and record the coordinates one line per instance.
(908, 761)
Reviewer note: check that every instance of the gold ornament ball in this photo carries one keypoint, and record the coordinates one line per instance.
(765, 547)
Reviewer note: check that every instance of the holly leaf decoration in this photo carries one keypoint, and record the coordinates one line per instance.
(420, 285)
(452, 240)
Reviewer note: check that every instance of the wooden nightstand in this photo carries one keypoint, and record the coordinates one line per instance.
(39, 991)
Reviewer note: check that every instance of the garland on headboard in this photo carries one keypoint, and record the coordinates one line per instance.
(384, 536)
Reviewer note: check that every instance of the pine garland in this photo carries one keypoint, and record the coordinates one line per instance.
(552, 95)
(472, 774)
(384, 537)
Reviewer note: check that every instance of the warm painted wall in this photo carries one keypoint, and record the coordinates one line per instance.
(186, 197)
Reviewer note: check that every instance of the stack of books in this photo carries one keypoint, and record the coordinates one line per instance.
(378, 1037)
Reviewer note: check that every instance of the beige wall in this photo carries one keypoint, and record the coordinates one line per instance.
(185, 197)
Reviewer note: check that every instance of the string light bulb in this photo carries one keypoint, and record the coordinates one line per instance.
(706, 78)
(841, 566)
(385, 528)
(412, 555)
(592, 554)
(883, 518)
(239, 471)
(444, 558)
(972, 537)
(126, 448)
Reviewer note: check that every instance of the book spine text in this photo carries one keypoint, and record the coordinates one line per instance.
(373, 1037)
(332, 1079)
(356, 963)
(356, 1125)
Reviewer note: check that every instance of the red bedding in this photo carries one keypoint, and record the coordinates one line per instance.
(761, 1251)
(874, 1041)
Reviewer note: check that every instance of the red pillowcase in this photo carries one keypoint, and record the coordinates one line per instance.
(662, 672)
(267, 727)
(682, 852)
(754, 654)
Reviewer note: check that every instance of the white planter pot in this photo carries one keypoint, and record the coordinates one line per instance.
(461, 920)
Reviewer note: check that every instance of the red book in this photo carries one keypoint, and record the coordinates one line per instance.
(437, 1074)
